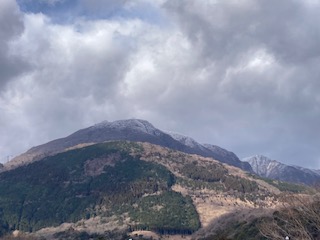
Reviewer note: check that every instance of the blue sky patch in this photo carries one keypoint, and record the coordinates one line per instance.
(66, 11)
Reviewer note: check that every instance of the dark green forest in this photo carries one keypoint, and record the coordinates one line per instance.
(56, 190)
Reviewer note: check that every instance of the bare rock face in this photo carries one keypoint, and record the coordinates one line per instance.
(135, 130)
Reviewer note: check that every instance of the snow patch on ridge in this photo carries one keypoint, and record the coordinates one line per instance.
(188, 141)
(134, 124)
(264, 166)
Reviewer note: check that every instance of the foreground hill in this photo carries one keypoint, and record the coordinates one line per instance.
(100, 180)
(110, 189)
(131, 130)
(273, 169)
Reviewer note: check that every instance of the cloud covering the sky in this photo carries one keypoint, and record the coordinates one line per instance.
(243, 75)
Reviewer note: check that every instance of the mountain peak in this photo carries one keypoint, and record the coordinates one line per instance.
(265, 167)
(134, 124)
(135, 130)
(258, 157)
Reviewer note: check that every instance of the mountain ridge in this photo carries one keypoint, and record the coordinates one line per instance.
(268, 168)
(136, 130)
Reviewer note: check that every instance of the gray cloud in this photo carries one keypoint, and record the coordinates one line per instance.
(11, 25)
(265, 55)
(239, 74)
(100, 7)
(75, 74)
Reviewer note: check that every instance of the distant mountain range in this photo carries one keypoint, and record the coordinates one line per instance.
(131, 130)
(273, 169)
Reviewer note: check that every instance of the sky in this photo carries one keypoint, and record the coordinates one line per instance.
(240, 74)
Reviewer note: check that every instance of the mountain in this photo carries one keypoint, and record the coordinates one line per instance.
(185, 140)
(113, 189)
(131, 130)
(225, 154)
(273, 169)
(210, 150)
(128, 179)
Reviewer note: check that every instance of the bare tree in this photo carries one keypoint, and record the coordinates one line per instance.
(299, 218)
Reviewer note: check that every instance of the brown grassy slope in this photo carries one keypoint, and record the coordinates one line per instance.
(210, 203)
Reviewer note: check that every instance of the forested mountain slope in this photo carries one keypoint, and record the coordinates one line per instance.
(124, 186)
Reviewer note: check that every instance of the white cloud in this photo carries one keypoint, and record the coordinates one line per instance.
(240, 74)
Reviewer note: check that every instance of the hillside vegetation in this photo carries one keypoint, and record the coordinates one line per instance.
(59, 189)
(138, 186)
